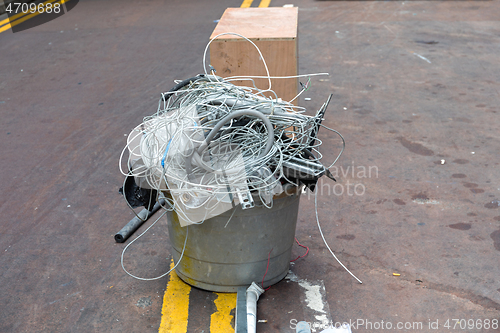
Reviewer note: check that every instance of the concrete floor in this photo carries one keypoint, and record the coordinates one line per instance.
(414, 84)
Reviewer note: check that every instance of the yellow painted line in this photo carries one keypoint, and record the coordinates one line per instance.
(11, 23)
(15, 17)
(175, 310)
(18, 15)
(246, 3)
(264, 3)
(220, 321)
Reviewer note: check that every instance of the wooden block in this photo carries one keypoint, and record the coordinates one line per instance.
(274, 31)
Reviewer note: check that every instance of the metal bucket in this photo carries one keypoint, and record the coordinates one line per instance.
(220, 257)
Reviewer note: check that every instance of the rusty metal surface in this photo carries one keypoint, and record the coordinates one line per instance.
(414, 84)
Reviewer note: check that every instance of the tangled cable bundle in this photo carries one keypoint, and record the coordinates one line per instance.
(211, 144)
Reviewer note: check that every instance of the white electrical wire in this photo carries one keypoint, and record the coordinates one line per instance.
(268, 77)
(343, 144)
(324, 240)
(230, 78)
(164, 274)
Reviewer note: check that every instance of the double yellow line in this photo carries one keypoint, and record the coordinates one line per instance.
(175, 309)
(248, 3)
(21, 17)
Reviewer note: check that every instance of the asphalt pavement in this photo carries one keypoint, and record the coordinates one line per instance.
(415, 212)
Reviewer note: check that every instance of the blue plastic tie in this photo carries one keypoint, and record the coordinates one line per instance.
(165, 155)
